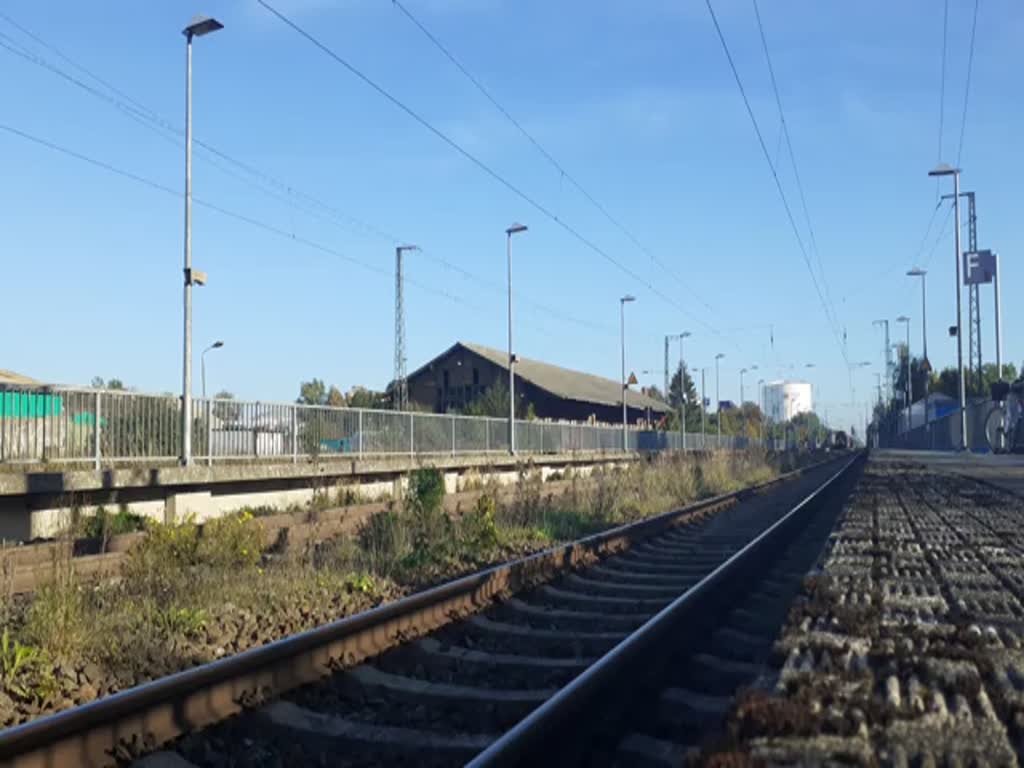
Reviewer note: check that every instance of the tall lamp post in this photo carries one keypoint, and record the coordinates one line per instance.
(199, 26)
(809, 367)
(202, 360)
(925, 365)
(514, 229)
(743, 418)
(760, 408)
(909, 384)
(945, 170)
(718, 400)
(703, 410)
(622, 342)
(682, 388)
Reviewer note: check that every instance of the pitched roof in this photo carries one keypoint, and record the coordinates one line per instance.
(565, 383)
(10, 377)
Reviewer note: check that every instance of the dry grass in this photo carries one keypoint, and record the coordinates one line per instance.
(191, 593)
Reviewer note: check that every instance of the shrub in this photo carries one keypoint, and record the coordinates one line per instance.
(233, 541)
(431, 527)
(384, 544)
(56, 618)
(103, 525)
(478, 528)
(24, 669)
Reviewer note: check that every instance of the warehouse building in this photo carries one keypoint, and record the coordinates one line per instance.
(466, 372)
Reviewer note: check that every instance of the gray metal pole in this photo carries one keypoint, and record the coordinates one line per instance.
(924, 344)
(667, 379)
(682, 391)
(999, 321)
(718, 405)
(959, 323)
(511, 359)
(910, 384)
(622, 344)
(999, 344)
(703, 411)
(186, 384)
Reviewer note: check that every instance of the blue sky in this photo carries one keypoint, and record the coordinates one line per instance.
(635, 100)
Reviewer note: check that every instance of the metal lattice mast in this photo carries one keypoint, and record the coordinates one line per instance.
(667, 383)
(400, 398)
(974, 299)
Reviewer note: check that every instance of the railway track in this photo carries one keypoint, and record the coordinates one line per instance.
(581, 653)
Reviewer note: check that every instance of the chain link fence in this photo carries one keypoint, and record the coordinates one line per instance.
(96, 426)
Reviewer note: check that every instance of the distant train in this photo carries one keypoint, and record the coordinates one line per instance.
(838, 441)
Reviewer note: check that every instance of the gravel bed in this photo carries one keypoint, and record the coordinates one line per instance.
(908, 648)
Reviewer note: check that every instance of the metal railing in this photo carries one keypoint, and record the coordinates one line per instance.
(97, 426)
(943, 433)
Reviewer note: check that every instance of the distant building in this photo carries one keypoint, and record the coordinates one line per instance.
(465, 372)
(16, 379)
(785, 399)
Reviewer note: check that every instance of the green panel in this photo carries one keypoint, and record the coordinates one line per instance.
(29, 405)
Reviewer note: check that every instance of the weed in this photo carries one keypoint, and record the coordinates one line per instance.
(23, 669)
(233, 541)
(478, 528)
(56, 619)
(384, 543)
(178, 620)
(103, 525)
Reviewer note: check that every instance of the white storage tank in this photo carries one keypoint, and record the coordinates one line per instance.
(785, 399)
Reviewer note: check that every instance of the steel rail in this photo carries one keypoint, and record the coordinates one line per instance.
(145, 716)
(560, 727)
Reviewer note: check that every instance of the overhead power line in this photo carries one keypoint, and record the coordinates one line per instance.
(967, 87)
(544, 152)
(778, 184)
(792, 160)
(260, 180)
(942, 78)
(155, 185)
(480, 164)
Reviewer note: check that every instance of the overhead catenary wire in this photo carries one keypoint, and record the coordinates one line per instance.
(778, 183)
(158, 186)
(563, 173)
(942, 77)
(268, 184)
(792, 158)
(967, 86)
(484, 167)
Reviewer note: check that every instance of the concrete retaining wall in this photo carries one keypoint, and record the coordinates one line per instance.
(40, 504)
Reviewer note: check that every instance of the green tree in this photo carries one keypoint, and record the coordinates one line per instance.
(98, 383)
(226, 411)
(361, 397)
(334, 398)
(313, 392)
(682, 383)
(494, 402)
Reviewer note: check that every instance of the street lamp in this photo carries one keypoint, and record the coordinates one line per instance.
(910, 384)
(703, 410)
(199, 26)
(718, 400)
(925, 365)
(514, 229)
(743, 371)
(760, 408)
(682, 387)
(202, 360)
(622, 341)
(945, 170)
